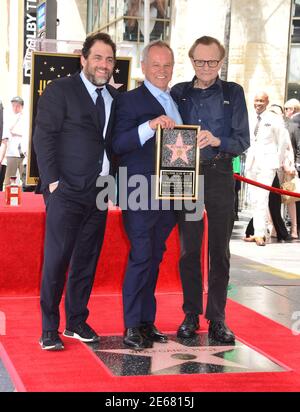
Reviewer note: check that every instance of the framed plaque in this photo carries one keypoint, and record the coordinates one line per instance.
(177, 163)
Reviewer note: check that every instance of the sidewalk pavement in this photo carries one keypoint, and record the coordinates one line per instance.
(265, 279)
(284, 257)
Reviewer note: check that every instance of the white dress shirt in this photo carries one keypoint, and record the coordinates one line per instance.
(91, 88)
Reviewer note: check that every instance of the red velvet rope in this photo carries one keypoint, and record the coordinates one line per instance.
(270, 188)
(205, 253)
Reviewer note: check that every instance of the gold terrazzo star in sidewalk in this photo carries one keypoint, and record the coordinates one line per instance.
(173, 354)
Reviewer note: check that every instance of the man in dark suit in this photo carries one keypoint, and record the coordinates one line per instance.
(73, 147)
(138, 113)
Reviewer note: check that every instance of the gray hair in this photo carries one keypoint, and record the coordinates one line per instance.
(293, 104)
(207, 41)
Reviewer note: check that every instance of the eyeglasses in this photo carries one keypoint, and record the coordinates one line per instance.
(211, 63)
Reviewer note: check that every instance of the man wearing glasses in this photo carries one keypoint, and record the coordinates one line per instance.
(219, 107)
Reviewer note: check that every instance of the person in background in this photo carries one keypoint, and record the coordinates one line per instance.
(1, 120)
(219, 107)
(135, 8)
(296, 119)
(269, 141)
(292, 110)
(279, 229)
(15, 140)
(292, 113)
(72, 141)
(274, 198)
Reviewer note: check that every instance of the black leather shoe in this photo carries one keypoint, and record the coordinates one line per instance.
(218, 331)
(149, 331)
(189, 326)
(134, 339)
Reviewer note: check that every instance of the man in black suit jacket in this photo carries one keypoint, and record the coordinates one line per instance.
(73, 147)
(138, 113)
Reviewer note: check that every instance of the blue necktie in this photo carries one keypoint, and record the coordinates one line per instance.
(170, 108)
(100, 106)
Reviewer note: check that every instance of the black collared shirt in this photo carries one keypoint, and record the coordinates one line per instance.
(205, 107)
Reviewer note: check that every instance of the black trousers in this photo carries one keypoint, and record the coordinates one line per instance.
(219, 195)
(2, 176)
(275, 212)
(74, 236)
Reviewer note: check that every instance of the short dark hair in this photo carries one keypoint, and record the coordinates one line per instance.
(207, 41)
(274, 107)
(97, 36)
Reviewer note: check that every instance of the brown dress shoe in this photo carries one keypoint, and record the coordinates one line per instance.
(260, 241)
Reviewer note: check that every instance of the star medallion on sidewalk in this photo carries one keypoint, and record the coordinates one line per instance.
(197, 355)
(164, 356)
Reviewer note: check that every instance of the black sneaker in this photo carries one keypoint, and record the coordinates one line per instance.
(51, 341)
(82, 332)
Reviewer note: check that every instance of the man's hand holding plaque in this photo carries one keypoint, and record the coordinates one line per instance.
(163, 121)
(206, 138)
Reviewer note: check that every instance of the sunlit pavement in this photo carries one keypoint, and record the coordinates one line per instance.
(265, 278)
